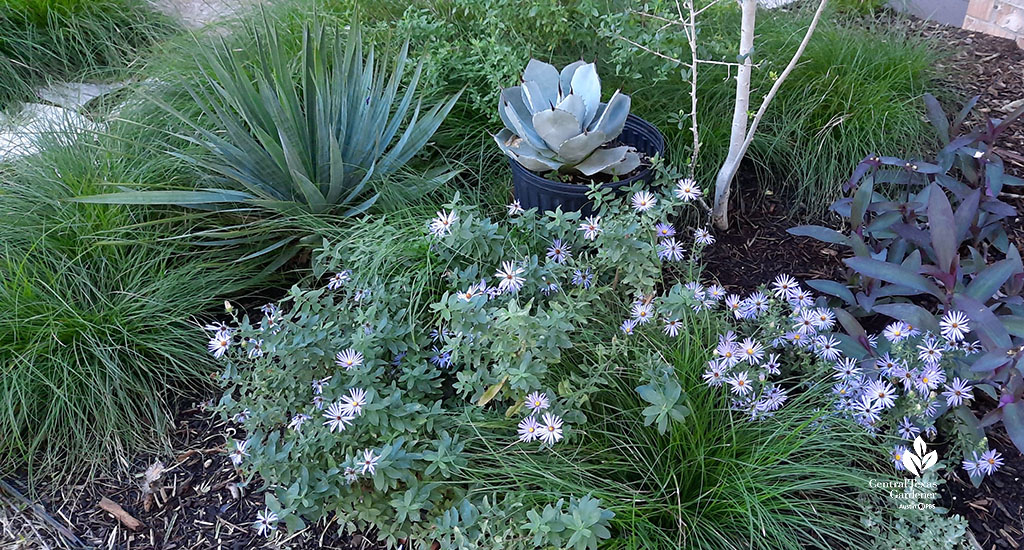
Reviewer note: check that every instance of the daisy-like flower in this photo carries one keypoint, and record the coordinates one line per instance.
(824, 318)
(758, 302)
(547, 287)
(846, 369)
(664, 230)
(515, 208)
(805, 323)
(882, 392)
(703, 237)
(785, 286)
(319, 384)
(318, 402)
(442, 224)
(353, 403)
(369, 462)
(896, 332)
(537, 401)
(551, 430)
(930, 351)
(973, 466)
(907, 429)
(339, 279)
(729, 353)
(801, 299)
(348, 359)
(772, 365)
(591, 227)
(957, 392)
(238, 454)
(337, 418)
(529, 429)
(687, 189)
(255, 348)
(243, 416)
(643, 201)
(715, 374)
(220, 343)
(897, 457)
(733, 303)
(867, 410)
(772, 400)
(628, 326)
(582, 278)
(670, 250)
(740, 384)
(642, 312)
(474, 290)
(990, 461)
(350, 475)
(715, 293)
(888, 366)
(266, 522)
(672, 327)
(751, 351)
(297, 421)
(827, 347)
(510, 277)
(954, 326)
(559, 252)
(929, 379)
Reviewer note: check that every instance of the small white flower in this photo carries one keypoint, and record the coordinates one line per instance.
(353, 403)
(515, 208)
(551, 431)
(339, 279)
(442, 224)
(297, 421)
(672, 327)
(703, 237)
(687, 189)
(954, 326)
(348, 359)
(537, 401)
(740, 384)
(559, 252)
(642, 312)
(529, 429)
(670, 250)
(510, 277)
(369, 462)
(337, 418)
(643, 201)
(240, 452)
(591, 228)
(220, 343)
(266, 522)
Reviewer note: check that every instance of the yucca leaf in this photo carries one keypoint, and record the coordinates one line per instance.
(178, 198)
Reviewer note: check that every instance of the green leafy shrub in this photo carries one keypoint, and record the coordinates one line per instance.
(413, 327)
(45, 39)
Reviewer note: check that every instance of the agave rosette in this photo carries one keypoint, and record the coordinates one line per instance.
(556, 121)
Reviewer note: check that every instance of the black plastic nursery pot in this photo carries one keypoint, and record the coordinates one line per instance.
(535, 191)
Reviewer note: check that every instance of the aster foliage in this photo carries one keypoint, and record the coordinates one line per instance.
(358, 398)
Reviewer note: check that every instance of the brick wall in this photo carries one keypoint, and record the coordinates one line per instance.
(1003, 18)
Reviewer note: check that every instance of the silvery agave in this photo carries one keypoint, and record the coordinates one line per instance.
(556, 121)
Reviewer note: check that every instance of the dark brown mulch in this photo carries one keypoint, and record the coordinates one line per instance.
(197, 503)
(757, 247)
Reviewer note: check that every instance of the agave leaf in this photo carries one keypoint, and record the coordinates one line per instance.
(555, 126)
(178, 198)
(613, 118)
(546, 77)
(629, 163)
(602, 160)
(565, 77)
(534, 98)
(587, 85)
(573, 104)
(524, 153)
(577, 148)
(517, 116)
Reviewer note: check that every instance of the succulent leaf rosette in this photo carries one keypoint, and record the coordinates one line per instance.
(556, 121)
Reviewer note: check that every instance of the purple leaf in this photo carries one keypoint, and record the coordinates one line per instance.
(833, 288)
(861, 200)
(913, 314)
(937, 117)
(895, 274)
(990, 331)
(1013, 419)
(819, 233)
(990, 279)
(943, 227)
(967, 214)
(990, 361)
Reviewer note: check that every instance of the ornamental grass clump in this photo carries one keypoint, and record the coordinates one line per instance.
(357, 398)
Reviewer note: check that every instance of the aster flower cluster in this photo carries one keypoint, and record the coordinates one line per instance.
(548, 430)
(900, 389)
